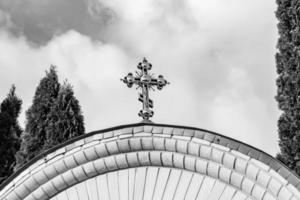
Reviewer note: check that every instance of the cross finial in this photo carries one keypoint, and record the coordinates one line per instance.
(144, 80)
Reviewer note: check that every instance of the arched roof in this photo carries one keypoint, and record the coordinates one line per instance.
(226, 168)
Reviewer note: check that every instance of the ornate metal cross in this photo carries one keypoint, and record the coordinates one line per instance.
(146, 81)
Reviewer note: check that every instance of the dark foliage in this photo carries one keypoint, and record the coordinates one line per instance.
(53, 118)
(10, 132)
(65, 119)
(288, 82)
(36, 117)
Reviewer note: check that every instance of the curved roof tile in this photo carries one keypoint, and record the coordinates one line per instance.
(241, 166)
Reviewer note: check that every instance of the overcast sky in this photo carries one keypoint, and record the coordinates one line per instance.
(217, 54)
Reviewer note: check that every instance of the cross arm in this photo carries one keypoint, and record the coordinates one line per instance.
(160, 82)
(130, 80)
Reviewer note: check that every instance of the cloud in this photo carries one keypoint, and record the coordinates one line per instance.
(5, 19)
(218, 56)
(89, 66)
(200, 45)
(40, 21)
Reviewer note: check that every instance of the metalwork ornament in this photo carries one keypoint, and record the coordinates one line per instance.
(146, 81)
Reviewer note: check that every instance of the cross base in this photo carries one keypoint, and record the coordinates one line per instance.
(147, 121)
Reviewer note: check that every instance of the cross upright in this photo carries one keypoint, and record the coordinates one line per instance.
(146, 81)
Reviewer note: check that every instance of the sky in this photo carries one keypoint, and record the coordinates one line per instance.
(218, 56)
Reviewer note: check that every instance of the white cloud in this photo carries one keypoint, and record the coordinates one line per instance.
(93, 68)
(218, 56)
(242, 114)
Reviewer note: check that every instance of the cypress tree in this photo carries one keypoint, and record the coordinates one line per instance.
(65, 119)
(28, 144)
(288, 82)
(34, 137)
(54, 117)
(10, 132)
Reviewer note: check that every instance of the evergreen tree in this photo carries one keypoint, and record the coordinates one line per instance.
(54, 117)
(65, 119)
(10, 132)
(288, 82)
(34, 137)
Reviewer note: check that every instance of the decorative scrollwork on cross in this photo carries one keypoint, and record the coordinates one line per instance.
(146, 81)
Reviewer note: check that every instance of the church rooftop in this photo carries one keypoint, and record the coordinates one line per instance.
(187, 147)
